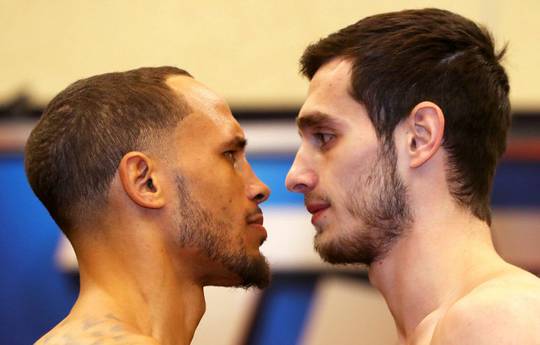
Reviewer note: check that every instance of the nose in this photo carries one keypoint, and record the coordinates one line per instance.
(256, 190)
(301, 177)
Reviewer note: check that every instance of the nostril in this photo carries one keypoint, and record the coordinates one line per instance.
(259, 197)
(295, 186)
(262, 194)
(290, 183)
(299, 188)
(301, 180)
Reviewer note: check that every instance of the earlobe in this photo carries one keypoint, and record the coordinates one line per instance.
(426, 124)
(140, 180)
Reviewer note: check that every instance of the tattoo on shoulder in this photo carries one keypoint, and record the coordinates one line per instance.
(111, 316)
(106, 330)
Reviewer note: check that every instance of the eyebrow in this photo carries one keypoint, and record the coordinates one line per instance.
(238, 143)
(314, 120)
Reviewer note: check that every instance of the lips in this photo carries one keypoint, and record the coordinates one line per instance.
(316, 209)
(255, 221)
(256, 218)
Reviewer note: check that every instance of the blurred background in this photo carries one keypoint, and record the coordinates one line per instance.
(248, 51)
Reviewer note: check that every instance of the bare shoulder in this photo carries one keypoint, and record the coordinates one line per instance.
(503, 310)
(105, 330)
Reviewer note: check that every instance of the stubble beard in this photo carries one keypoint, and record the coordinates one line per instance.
(378, 205)
(197, 228)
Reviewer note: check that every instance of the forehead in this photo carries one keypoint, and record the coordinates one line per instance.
(332, 78)
(329, 95)
(211, 117)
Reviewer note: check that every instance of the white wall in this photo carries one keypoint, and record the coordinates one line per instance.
(246, 50)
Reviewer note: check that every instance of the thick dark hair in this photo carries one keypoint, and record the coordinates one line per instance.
(73, 152)
(403, 58)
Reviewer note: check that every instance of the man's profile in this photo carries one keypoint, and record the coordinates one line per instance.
(145, 173)
(405, 120)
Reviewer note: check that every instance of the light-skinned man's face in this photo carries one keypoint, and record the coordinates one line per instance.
(348, 177)
(218, 194)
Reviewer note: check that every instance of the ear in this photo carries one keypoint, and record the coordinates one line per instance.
(140, 181)
(425, 134)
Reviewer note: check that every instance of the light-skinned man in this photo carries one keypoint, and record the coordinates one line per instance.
(405, 119)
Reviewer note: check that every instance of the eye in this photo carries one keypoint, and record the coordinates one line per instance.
(230, 155)
(234, 157)
(322, 139)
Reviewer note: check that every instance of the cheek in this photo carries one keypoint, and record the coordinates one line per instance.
(345, 168)
(228, 199)
(229, 207)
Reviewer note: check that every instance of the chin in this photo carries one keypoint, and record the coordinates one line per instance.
(242, 271)
(326, 248)
(256, 273)
(228, 280)
(336, 248)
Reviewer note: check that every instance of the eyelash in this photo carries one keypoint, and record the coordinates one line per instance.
(230, 156)
(323, 138)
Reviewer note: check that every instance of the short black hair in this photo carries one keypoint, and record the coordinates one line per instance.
(403, 58)
(73, 152)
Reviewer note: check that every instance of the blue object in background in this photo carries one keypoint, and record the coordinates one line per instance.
(34, 295)
(517, 184)
(283, 310)
(272, 169)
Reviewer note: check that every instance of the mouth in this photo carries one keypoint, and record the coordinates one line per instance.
(255, 222)
(317, 209)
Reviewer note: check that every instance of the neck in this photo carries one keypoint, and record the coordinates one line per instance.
(134, 280)
(436, 262)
